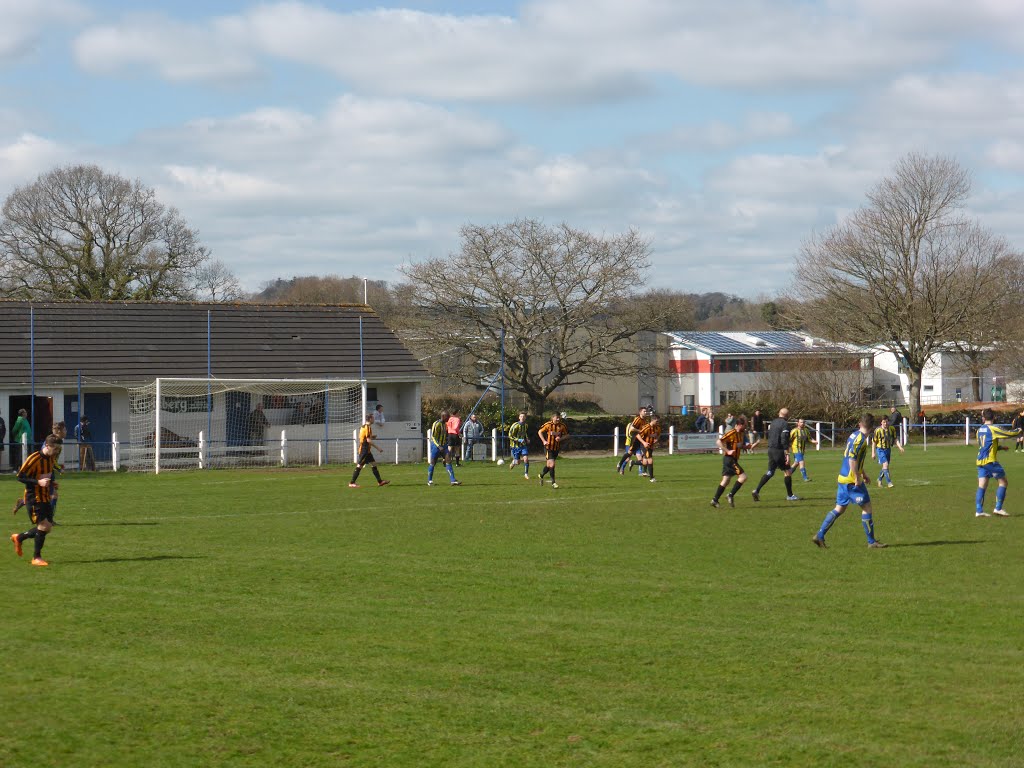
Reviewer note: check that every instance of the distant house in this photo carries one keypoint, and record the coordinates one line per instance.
(102, 350)
(945, 379)
(715, 368)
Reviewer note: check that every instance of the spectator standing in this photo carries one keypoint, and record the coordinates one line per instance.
(1017, 423)
(730, 421)
(86, 457)
(258, 424)
(20, 429)
(757, 425)
(378, 415)
(472, 432)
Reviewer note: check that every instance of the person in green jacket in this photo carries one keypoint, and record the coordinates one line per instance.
(21, 427)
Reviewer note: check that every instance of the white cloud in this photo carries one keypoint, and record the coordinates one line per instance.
(24, 22)
(26, 156)
(216, 50)
(557, 50)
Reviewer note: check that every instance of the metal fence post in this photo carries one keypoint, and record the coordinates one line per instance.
(671, 439)
(115, 451)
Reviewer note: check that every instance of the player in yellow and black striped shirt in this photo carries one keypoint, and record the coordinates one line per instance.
(648, 438)
(366, 446)
(731, 444)
(37, 476)
(552, 435)
(639, 422)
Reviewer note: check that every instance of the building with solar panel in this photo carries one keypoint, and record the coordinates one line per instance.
(715, 368)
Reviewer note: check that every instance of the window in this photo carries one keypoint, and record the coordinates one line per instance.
(927, 388)
(688, 401)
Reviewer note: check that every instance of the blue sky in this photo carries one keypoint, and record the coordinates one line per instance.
(351, 138)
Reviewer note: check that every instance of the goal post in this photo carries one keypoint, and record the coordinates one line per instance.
(198, 423)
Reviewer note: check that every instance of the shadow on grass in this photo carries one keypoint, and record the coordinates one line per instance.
(149, 559)
(938, 543)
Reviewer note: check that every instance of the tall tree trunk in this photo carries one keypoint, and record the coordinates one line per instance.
(535, 403)
(914, 395)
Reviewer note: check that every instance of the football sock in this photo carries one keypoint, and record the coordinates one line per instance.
(650, 470)
(1000, 495)
(764, 479)
(979, 500)
(736, 488)
(552, 474)
(869, 526)
(789, 484)
(803, 471)
(526, 468)
(545, 471)
(830, 518)
(40, 540)
(430, 472)
(30, 534)
(451, 472)
(355, 473)
(376, 472)
(718, 492)
(886, 473)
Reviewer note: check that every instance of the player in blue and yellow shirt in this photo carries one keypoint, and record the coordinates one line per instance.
(853, 485)
(519, 438)
(989, 436)
(639, 422)
(799, 437)
(437, 447)
(882, 441)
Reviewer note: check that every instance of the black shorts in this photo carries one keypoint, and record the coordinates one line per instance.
(777, 460)
(366, 457)
(454, 441)
(731, 466)
(551, 454)
(39, 511)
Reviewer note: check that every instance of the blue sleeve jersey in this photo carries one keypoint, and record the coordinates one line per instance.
(853, 458)
(989, 436)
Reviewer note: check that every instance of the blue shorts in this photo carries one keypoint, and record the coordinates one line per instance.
(848, 493)
(797, 458)
(438, 454)
(520, 453)
(883, 455)
(994, 470)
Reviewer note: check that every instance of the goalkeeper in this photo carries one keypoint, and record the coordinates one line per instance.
(519, 437)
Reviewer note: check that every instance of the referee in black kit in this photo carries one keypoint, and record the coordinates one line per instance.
(778, 456)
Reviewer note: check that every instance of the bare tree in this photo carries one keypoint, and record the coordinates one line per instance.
(564, 299)
(390, 302)
(79, 233)
(904, 271)
(215, 282)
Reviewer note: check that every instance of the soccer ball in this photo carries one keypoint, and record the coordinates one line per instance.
(500, 462)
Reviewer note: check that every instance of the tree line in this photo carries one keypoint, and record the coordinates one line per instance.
(908, 271)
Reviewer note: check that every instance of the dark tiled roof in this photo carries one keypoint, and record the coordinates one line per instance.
(131, 343)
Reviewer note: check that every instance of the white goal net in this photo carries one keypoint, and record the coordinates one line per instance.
(211, 423)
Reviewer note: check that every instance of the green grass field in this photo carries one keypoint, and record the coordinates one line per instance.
(282, 619)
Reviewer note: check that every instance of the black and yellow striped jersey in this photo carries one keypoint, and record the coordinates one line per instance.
(36, 467)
